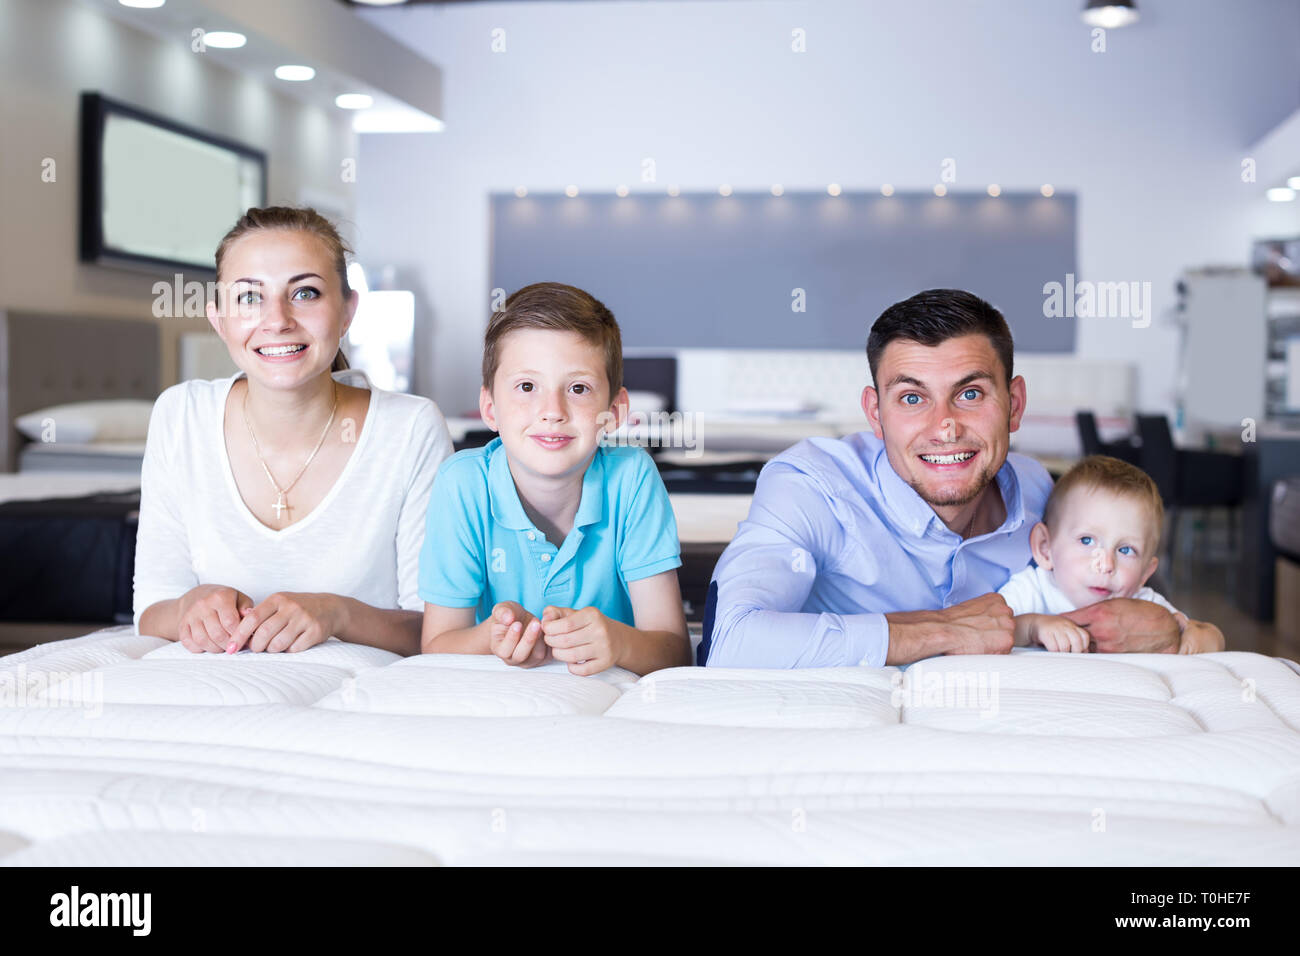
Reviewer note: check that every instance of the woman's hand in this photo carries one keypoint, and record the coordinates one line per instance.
(288, 622)
(207, 616)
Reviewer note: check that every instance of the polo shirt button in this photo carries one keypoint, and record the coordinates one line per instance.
(531, 536)
(545, 558)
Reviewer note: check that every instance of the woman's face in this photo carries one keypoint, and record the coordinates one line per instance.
(281, 309)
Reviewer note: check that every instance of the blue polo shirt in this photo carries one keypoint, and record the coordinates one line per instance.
(481, 548)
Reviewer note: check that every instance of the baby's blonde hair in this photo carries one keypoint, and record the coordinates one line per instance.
(1104, 473)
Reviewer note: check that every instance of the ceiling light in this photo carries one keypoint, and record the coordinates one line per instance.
(940, 189)
(995, 190)
(1110, 14)
(1047, 190)
(521, 191)
(142, 4)
(294, 74)
(571, 191)
(724, 190)
(833, 189)
(224, 39)
(778, 189)
(1281, 194)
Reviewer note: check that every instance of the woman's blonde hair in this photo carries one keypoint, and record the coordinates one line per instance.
(306, 220)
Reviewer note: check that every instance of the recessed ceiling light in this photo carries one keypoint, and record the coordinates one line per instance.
(571, 191)
(521, 191)
(622, 191)
(778, 189)
(724, 190)
(834, 189)
(224, 39)
(142, 4)
(1294, 182)
(940, 189)
(294, 74)
(354, 101)
(886, 190)
(1047, 190)
(1110, 14)
(1281, 194)
(995, 190)
(674, 190)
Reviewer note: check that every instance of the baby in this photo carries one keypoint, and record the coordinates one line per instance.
(1097, 540)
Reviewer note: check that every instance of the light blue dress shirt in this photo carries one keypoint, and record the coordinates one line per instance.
(480, 546)
(835, 539)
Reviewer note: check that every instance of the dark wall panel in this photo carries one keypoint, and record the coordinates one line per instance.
(703, 270)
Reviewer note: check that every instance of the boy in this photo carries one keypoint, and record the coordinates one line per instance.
(1097, 540)
(545, 544)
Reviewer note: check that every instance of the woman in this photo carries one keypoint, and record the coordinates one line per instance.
(286, 503)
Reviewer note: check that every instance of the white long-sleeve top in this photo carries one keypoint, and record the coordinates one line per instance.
(362, 541)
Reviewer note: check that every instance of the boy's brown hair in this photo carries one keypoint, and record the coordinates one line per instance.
(1104, 473)
(559, 308)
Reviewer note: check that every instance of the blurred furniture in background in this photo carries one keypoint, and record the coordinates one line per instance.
(1190, 479)
(1224, 354)
(1284, 534)
(1090, 442)
(48, 360)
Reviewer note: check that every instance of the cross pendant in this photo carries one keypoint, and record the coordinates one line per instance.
(279, 506)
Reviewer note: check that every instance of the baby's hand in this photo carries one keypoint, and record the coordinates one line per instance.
(1199, 637)
(516, 636)
(1061, 634)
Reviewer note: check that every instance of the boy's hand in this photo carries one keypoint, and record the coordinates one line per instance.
(585, 639)
(1061, 634)
(515, 636)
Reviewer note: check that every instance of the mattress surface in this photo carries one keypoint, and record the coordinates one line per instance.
(122, 749)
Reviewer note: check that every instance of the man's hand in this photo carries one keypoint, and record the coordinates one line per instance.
(1128, 625)
(982, 625)
(516, 636)
(585, 639)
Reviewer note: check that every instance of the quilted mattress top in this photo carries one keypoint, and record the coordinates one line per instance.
(122, 749)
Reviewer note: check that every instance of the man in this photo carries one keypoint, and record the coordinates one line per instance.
(885, 547)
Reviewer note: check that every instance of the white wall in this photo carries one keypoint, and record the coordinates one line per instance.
(1150, 133)
(51, 51)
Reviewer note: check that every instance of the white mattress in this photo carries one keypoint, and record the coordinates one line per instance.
(28, 486)
(117, 457)
(347, 754)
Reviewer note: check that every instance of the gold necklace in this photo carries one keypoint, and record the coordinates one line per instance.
(281, 505)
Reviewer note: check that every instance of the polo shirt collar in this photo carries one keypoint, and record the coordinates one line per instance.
(508, 510)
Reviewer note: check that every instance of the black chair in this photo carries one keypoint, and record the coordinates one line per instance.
(1091, 443)
(1190, 478)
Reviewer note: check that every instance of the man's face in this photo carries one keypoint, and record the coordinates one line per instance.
(946, 416)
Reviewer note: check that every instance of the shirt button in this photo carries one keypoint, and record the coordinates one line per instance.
(532, 536)
(545, 558)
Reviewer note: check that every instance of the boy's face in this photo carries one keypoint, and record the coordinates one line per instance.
(1103, 546)
(550, 401)
(946, 414)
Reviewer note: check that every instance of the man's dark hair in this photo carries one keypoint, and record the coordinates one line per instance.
(935, 316)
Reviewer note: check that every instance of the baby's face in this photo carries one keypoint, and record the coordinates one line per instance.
(1102, 546)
